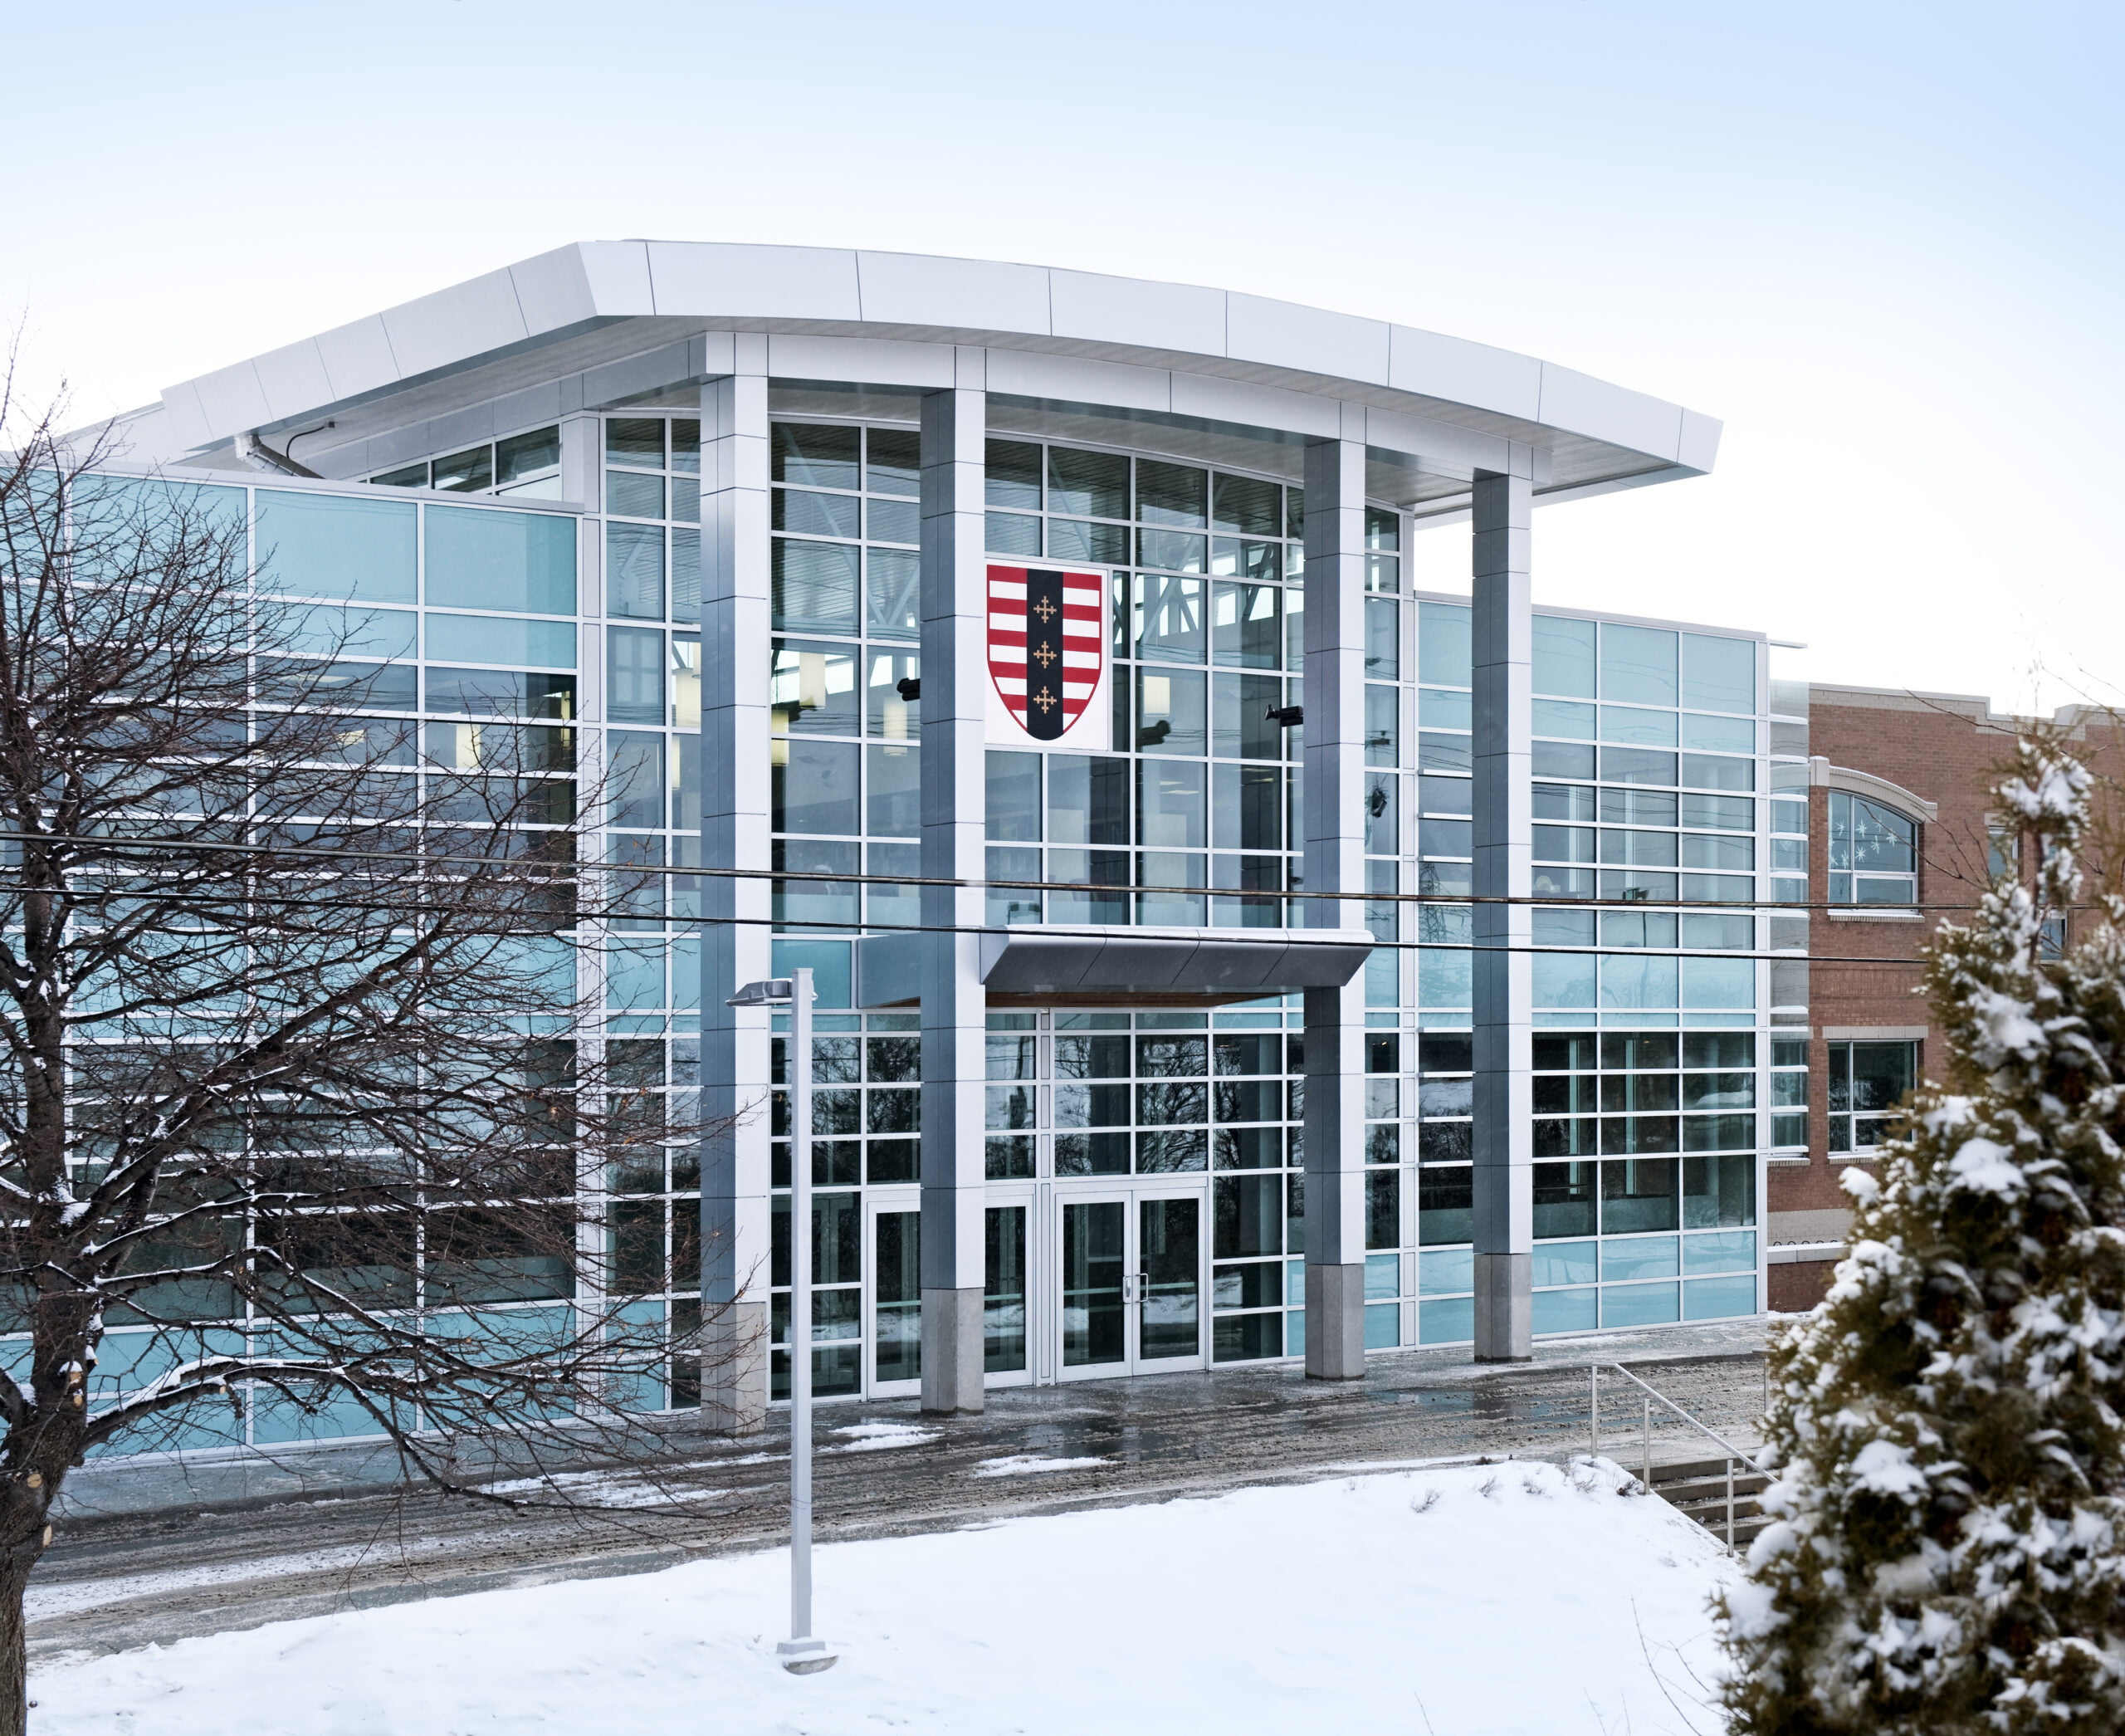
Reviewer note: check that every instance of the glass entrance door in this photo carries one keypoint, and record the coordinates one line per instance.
(1132, 1273)
(1095, 1263)
(1169, 1280)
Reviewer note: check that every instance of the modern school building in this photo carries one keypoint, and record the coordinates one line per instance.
(1228, 951)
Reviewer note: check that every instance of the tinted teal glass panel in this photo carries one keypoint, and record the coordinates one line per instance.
(813, 586)
(1650, 1256)
(1447, 1272)
(827, 960)
(1564, 657)
(1719, 982)
(1716, 1298)
(1446, 1323)
(634, 571)
(493, 639)
(1639, 982)
(1638, 664)
(523, 562)
(1444, 651)
(1719, 674)
(324, 546)
(117, 510)
(1636, 728)
(1643, 1304)
(634, 976)
(1564, 979)
(1719, 735)
(1563, 1262)
(1573, 722)
(1565, 1311)
(1445, 977)
(380, 633)
(1733, 1250)
(1442, 710)
(1382, 1326)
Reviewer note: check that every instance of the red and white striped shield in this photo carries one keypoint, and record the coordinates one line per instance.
(1047, 647)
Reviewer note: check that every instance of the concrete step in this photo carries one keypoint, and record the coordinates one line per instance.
(1698, 1489)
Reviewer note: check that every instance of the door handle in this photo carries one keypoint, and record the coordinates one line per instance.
(1132, 1287)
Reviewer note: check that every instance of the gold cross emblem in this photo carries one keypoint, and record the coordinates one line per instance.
(1043, 657)
(1046, 611)
(1044, 700)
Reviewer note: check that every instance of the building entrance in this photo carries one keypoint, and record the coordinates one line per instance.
(1131, 1275)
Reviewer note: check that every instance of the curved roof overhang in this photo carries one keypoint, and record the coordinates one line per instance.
(642, 314)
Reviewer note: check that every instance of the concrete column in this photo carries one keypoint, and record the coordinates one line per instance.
(735, 772)
(1504, 972)
(1334, 862)
(955, 791)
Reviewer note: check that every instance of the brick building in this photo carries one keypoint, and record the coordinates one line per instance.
(1898, 842)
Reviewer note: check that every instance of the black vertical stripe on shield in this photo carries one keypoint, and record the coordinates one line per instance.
(1045, 717)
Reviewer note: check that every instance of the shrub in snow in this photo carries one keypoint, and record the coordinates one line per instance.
(1948, 1546)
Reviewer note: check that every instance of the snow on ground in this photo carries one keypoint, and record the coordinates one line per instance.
(1032, 1465)
(878, 1437)
(1503, 1600)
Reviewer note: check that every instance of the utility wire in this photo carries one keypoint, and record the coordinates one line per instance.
(562, 869)
(1109, 931)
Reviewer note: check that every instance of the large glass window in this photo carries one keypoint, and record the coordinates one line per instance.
(1873, 853)
(1867, 1082)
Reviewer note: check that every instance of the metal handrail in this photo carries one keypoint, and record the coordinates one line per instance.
(1727, 1446)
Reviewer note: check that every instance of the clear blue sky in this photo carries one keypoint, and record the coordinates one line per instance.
(1881, 241)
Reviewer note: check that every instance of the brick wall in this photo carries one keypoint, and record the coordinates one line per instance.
(1942, 749)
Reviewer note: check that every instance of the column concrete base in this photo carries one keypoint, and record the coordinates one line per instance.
(1505, 1310)
(952, 1353)
(734, 1351)
(1335, 1322)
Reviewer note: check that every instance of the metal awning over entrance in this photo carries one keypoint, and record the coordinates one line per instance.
(1152, 967)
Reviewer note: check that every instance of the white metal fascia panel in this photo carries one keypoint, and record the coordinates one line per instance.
(1285, 334)
(1440, 446)
(1247, 405)
(553, 290)
(979, 295)
(720, 280)
(1584, 405)
(1180, 316)
(232, 399)
(617, 275)
(1435, 365)
(185, 417)
(293, 379)
(466, 320)
(1699, 447)
(1078, 380)
(359, 358)
(864, 361)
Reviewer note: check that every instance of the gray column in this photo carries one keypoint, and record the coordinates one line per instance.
(1334, 862)
(1504, 972)
(735, 750)
(955, 675)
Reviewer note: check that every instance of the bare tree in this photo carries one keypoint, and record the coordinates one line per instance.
(291, 1084)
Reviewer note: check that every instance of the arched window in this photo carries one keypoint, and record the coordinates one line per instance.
(1873, 853)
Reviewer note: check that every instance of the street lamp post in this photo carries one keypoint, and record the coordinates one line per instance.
(802, 1653)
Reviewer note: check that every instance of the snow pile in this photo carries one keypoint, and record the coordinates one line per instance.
(1501, 1600)
(879, 1437)
(1033, 1464)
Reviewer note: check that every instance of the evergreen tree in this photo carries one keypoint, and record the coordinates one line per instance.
(1948, 1553)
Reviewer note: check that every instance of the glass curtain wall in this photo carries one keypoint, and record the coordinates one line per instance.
(1655, 1067)
(1651, 786)
(457, 633)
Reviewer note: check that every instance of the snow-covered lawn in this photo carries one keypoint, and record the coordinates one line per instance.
(1506, 1600)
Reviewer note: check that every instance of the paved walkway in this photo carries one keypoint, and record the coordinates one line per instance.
(883, 1470)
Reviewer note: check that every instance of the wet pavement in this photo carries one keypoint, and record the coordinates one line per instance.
(882, 1469)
